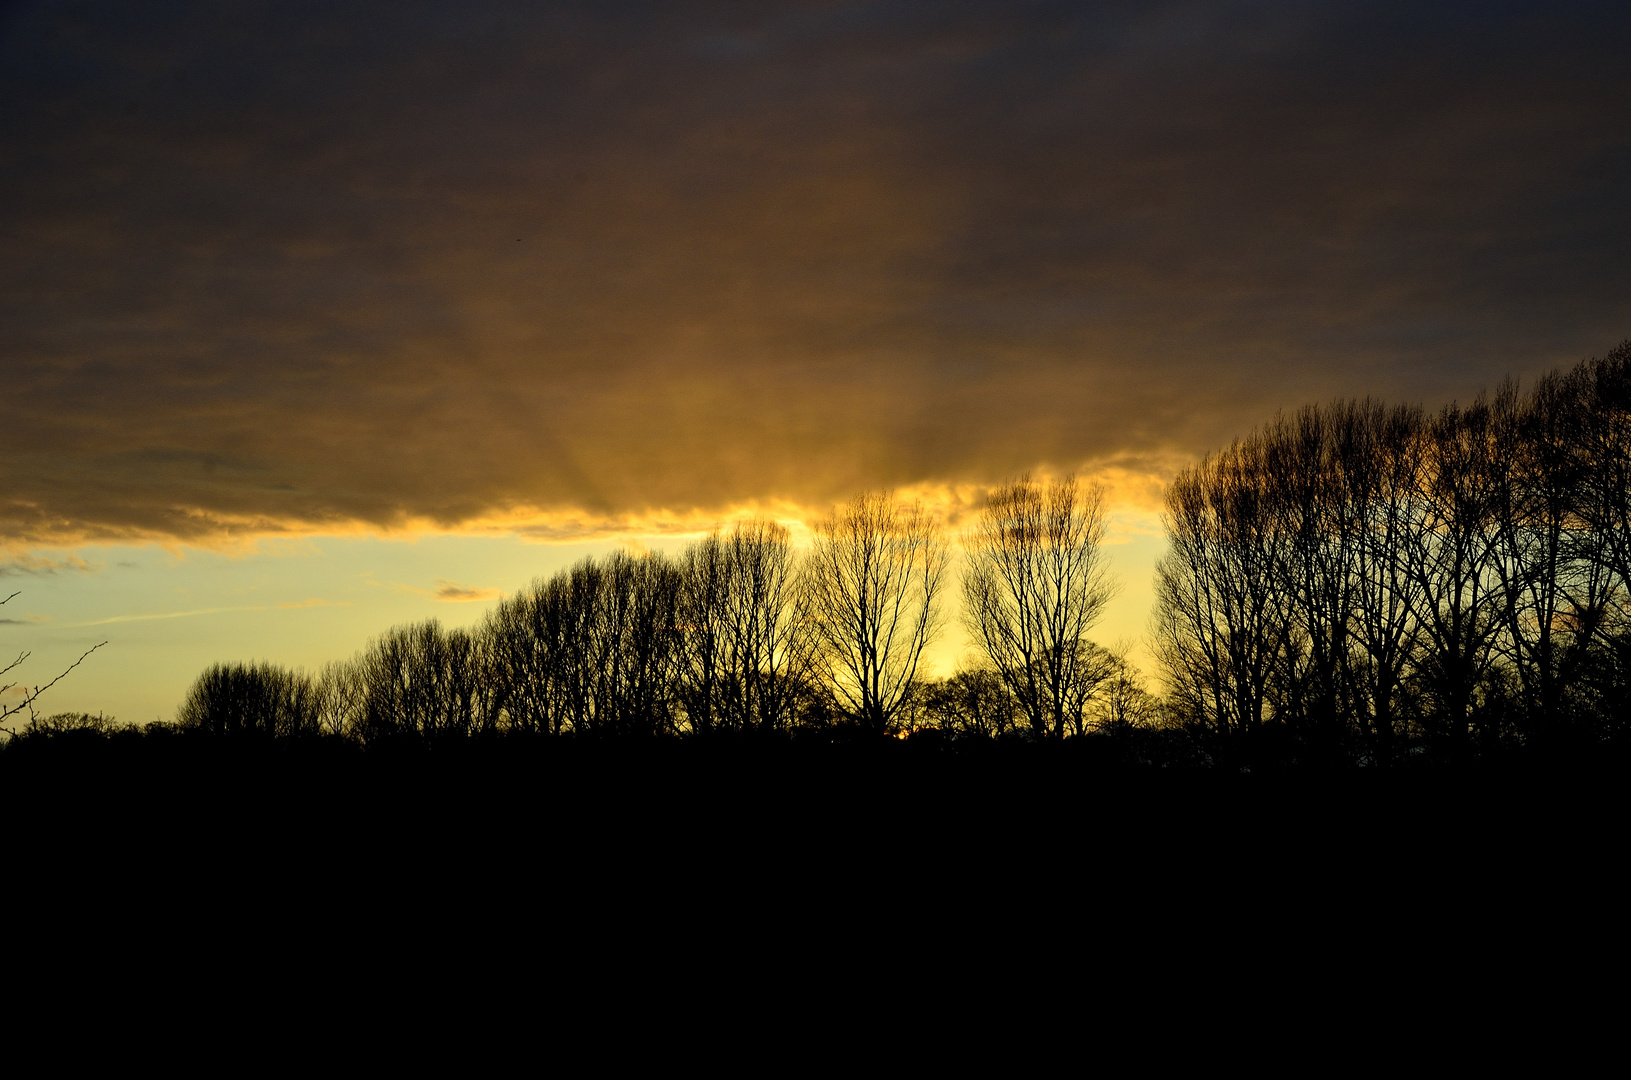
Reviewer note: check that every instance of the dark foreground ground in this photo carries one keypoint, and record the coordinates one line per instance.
(505, 876)
(510, 810)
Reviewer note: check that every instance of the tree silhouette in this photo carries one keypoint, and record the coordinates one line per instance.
(412, 681)
(1221, 621)
(744, 653)
(1456, 582)
(972, 703)
(1033, 585)
(251, 699)
(869, 597)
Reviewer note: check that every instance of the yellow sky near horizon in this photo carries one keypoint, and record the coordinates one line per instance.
(170, 611)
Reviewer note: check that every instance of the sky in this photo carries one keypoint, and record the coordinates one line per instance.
(320, 317)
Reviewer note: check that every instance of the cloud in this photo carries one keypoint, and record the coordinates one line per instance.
(446, 591)
(451, 593)
(396, 266)
(14, 564)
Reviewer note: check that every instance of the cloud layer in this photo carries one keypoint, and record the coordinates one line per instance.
(290, 265)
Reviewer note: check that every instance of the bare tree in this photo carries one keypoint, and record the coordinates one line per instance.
(771, 653)
(640, 620)
(1461, 605)
(342, 698)
(973, 703)
(1379, 458)
(707, 654)
(743, 653)
(1603, 409)
(1035, 583)
(1224, 596)
(1307, 507)
(1557, 585)
(869, 596)
(529, 655)
(419, 680)
(252, 699)
(1604, 439)
(1124, 699)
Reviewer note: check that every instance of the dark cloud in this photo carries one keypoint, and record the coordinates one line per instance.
(319, 263)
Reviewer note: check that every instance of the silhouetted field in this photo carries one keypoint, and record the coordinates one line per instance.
(800, 850)
(931, 789)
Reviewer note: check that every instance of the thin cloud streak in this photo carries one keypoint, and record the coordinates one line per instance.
(164, 615)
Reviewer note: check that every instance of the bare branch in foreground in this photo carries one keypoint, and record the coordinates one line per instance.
(33, 695)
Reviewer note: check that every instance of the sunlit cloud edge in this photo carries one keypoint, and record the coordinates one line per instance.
(1133, 486)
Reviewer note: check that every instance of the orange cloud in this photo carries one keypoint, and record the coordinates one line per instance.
(451, 593)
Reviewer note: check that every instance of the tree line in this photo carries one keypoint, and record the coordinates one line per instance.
(1372, 582)
(741, 633)
(1355, 582)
